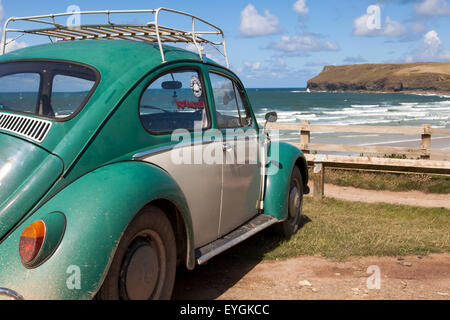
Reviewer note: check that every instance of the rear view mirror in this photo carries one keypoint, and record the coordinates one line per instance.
(271, 117)
(171, 85)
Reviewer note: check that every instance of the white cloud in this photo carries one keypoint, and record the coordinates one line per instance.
(253, 65)
(208, 50)
(255, 25)
(300, 7)
(391, 28)
(298, 44)
(431, 49)
(433, 8)
(15, 45)
(250, 67)
(274, 68)
(431, 39)
(11, 45)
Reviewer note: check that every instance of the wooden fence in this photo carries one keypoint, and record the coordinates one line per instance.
(418, 160)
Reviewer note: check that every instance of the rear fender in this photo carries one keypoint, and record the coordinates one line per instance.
(98, 207)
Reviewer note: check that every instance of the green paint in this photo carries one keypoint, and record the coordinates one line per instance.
(82, 180)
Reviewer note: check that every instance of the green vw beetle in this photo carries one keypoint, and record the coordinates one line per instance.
(122, 157)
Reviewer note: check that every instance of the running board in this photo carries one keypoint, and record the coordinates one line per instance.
(244, 232)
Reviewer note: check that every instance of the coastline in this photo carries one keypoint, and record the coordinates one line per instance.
(413, 92)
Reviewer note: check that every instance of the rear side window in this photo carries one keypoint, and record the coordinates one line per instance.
(175, 100)
(19, 91)
(68, 93)
(50, 89)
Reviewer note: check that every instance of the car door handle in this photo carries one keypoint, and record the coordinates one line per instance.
(226, 147)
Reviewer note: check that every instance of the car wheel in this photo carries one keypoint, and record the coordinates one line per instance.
(144, 265)
(295, 202)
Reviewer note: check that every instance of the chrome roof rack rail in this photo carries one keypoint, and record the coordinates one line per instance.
(148, 32)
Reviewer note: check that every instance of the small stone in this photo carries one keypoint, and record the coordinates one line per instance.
(419, 257)
(355, 289)
(314, 290)
(337, 274)
(407, 264)
(442, 293)
(304, 283)
(404, 284)
(400, 258)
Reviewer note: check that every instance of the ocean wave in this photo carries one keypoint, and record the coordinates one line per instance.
(432, 95)
(387, 110)
(365, 105)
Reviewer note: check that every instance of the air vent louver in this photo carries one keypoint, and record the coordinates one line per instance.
(31, 128)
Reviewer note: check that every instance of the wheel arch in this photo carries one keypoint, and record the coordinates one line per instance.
(302, 165)
(179, 226)
(277, 184)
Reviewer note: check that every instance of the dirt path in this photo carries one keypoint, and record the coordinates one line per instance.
(317, 278)
(414, 277)
(228, 277)
(412, 198)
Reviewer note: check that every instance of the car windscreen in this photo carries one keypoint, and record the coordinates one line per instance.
(44, 88)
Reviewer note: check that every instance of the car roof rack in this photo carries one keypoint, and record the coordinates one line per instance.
(149, 32)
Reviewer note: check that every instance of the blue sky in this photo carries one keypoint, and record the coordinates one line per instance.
(284, 43)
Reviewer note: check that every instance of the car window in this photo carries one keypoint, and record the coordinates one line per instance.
(231, 112)
(45, 88)
(68, 93)
(19, 91)
(175, 100)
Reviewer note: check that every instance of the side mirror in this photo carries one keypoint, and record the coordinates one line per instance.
(271, 117)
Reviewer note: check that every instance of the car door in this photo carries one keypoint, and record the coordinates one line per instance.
(241, 168)
(172, 106)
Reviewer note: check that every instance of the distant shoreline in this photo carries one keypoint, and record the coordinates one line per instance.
(434, 93)
(409, 78)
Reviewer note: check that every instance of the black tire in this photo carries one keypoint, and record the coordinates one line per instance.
(144, 264)
(290, 226)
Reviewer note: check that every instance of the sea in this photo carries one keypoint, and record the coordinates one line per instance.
(294, 105)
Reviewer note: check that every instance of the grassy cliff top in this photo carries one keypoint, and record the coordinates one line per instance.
(421, 76)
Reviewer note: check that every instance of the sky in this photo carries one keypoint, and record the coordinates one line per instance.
(286, 42)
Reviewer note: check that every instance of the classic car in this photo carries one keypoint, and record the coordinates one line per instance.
(102, 194)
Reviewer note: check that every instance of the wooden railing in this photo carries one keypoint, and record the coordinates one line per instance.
(419, 160)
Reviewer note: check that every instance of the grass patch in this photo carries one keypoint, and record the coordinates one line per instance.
(341, 229)
(388, 181)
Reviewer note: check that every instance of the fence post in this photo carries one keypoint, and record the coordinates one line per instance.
(318, 177)
(318, 180)
(305, 137)
(426, 141)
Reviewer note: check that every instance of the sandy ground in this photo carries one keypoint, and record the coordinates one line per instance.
(412, 198)
(304, 278)
(440, 143)
(307, 278)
